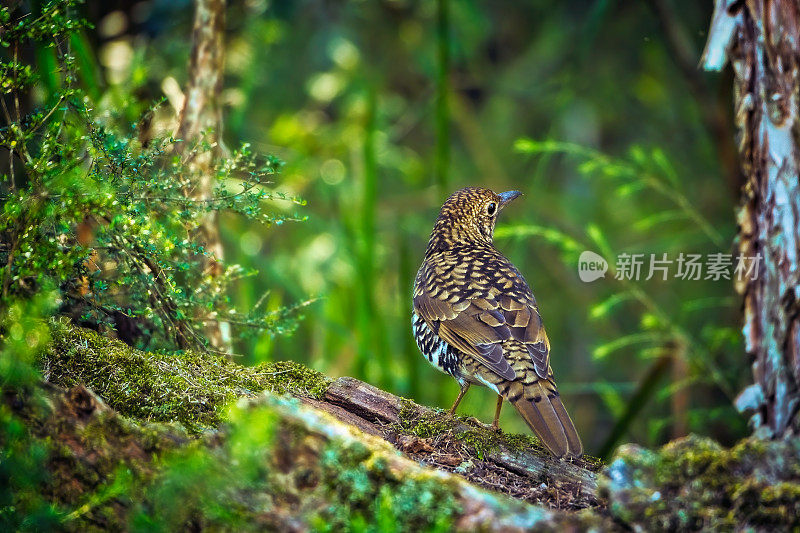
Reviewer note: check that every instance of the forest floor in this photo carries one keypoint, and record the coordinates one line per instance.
(318, 451)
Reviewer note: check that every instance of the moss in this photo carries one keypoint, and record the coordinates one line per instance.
(292, 378)
(517, 442)
(479, 439)
(369, 490)
(426, 425)
(190, 387)
(91, 455)
(694, 483)
(433, 424)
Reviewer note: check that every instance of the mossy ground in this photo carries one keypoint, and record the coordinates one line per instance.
(694, 483)
(191, 388)
(111, 471)
(466, 446)
(479, 439)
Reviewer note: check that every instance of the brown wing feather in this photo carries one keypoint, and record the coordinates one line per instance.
(466, 331)
(500, 306)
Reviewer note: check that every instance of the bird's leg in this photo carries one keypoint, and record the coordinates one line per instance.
(496, 423)
(464, 389)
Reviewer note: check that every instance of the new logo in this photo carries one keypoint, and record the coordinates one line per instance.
(591, 266)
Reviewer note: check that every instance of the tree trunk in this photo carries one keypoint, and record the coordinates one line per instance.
(760, 38)
(201, 120)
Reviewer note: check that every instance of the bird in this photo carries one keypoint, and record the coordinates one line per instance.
(475, 318)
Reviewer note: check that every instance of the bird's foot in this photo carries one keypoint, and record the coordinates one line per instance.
(490, 427)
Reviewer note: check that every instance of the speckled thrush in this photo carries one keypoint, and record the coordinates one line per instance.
(475, 318)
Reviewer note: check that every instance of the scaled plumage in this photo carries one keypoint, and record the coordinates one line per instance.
(476, 319)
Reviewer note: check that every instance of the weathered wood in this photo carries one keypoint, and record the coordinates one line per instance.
(364, 400)
(381, 411)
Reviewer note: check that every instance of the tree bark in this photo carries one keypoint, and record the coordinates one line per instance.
(201, 121)
(760, 39)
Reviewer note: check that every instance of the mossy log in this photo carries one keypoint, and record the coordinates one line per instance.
(454, 443)
(274, 464)
(298, 451)
(316, 470)
(694, 484)
(194, 388)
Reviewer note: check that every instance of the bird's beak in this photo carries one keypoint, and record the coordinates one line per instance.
(507, 197)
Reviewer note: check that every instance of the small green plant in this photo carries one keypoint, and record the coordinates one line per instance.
(98, 208)
(96, 224)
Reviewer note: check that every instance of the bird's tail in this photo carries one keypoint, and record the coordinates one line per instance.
(540, 406)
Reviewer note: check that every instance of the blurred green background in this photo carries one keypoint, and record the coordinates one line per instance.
(381, 109)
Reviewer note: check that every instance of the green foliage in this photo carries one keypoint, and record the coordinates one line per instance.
(103, 211)
(97, 224)
(661, 218)
(24, 335)
(366, 119)
(641, 172)
(389, 101)
(209, 487)
(22, 472)
(22, 458)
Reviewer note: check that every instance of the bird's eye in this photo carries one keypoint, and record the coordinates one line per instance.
(491, 208)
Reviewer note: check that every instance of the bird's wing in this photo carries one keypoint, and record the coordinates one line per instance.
(486, 310)
(522, 317)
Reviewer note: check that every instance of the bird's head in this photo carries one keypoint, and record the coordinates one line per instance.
(468, 217)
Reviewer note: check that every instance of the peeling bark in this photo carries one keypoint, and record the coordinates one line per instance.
(201, 121)
(761, 39)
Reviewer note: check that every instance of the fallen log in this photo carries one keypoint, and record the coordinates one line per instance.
(567, 483)
(276, 464)
(134, 440)
(194, 388)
